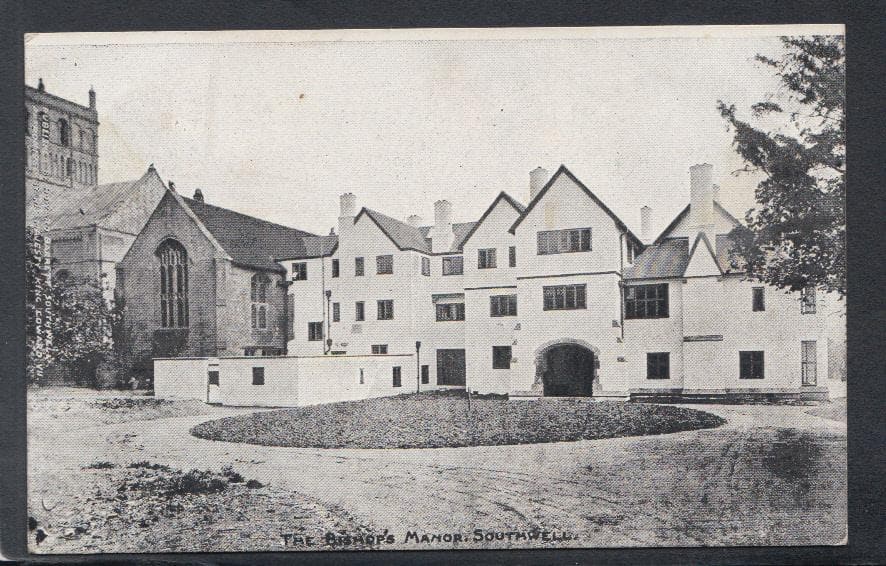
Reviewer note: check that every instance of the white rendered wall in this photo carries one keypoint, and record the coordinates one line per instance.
(722, 306)
(642, 336)
(482, 330)
(180, 378)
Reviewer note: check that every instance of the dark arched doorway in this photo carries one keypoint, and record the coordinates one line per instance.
(567, 370)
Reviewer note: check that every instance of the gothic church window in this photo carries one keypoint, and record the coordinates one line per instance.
(173, 285)
(260, 284)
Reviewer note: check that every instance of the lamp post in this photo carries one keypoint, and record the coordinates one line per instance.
(328, 322)
(418, 366)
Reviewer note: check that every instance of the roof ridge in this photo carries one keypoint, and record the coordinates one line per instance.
(191, 201)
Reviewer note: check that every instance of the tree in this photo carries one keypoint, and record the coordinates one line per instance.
(83, 325)
(795, 238)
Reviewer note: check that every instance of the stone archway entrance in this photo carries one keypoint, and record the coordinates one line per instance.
(566, 369)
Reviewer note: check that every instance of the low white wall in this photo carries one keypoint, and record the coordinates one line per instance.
(288, 381)
(327, 379)
(180, 378)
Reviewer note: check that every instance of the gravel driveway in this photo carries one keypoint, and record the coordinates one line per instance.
(772, 475)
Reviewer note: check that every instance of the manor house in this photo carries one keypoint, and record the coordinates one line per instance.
(554, 297)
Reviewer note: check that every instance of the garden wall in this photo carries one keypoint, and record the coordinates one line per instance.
(284, 381)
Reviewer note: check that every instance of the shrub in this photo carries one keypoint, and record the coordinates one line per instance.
(101, 465)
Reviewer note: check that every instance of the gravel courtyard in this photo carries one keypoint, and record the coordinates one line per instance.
(771, 475)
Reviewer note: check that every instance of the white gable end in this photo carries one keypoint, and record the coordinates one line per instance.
(702, 262)
(723, 224)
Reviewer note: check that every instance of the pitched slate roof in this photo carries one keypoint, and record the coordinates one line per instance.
(311, 247)
(249, 241)
(562, 170)
(668, 258)
(408, 237)
(124, 206)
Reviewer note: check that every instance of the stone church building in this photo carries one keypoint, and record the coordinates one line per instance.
(201, 280)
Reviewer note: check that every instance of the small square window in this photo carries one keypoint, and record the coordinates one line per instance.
(335, 268)
(658, 365)
(384, 264)
(425, 374)
(315, 331)
(299, 271)
(398, 377)
(426, 266)
(358, 267)
(453, 265)
(213, 377)
(386, 309)
(486, 258)
(501, 357)
(750, 365)
(359, 311)
(258, 376)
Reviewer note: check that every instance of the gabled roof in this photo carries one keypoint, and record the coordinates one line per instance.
(668, 258)
(408, 237)
(249, 241)
(403, 235)
(501, 196)
(562, 170)
(124, 207)
(683, 213)
(311, 247)
(701, 238)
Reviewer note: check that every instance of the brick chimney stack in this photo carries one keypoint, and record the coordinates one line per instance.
(91, 98)
(198, 196)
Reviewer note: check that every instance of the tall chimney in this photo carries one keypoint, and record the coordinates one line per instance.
(441, 234)
(645, 224)
(701, 198)
(198, 196)
(537, 179)
(91, 98)
(40, 86)
(347, 211)
(414, 220)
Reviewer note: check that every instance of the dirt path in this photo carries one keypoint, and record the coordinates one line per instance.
(773, 475)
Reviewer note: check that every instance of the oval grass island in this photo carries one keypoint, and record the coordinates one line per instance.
(442, 419)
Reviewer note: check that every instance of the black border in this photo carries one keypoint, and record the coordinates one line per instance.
(866, 255)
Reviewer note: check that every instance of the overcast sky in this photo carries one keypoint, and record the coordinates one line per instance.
(279, 129)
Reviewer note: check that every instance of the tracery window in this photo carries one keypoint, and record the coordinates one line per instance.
(173, 285)
(260, 284)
